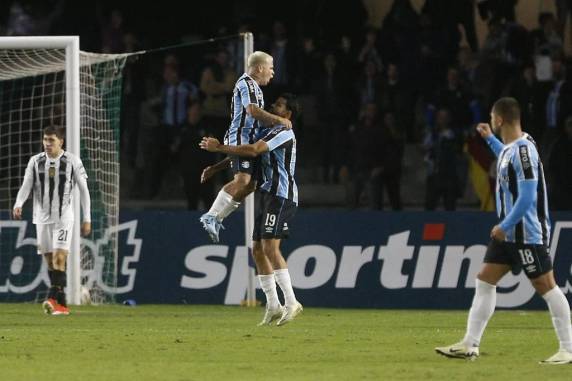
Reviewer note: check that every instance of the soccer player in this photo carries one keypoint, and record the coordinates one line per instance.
(521, 238)
(276, 204)
(247, 110)
(52, 176)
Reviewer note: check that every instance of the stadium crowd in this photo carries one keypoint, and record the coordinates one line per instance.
(368, 93)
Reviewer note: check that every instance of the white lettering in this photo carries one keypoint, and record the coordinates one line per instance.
(197, 261)
(238, 280)
(451, 267)
(325, 266)
(393, 256)
(353, 259)
(426, 266)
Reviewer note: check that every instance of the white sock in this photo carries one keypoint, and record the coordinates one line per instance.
(481, 311)
(223, 205)
(283, 279)
(560, 312)
(268, 285)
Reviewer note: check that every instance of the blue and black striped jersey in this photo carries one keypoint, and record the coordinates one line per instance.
(279, 163)
(243, 127)
(519, 162)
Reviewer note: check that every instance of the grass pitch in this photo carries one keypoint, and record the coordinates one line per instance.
(223, 343)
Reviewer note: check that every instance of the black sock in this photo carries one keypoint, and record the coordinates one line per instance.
(60, 284)
(61, 297)
(52, 291)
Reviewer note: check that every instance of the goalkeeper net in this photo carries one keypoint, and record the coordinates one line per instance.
(33, 95)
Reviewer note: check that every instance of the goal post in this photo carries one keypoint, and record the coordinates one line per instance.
(248, 40)
(37, 76)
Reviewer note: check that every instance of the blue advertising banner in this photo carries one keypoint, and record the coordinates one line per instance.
(335, 258)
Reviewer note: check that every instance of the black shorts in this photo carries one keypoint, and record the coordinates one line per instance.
(271, 216)
(244, 165)
(533, 259)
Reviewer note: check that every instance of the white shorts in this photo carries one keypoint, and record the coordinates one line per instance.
(54, 236)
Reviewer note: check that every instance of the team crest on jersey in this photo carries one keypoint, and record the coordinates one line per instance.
(245, 164)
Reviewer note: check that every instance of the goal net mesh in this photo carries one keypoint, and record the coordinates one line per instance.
(33, 96)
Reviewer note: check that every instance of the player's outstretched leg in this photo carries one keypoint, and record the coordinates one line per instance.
(212, 226)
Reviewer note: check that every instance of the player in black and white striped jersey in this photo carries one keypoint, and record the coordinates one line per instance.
(52, 176)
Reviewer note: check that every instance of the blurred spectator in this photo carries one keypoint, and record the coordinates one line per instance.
(133, 95)
(331, 100)
(369, 52)
(309, 63)
(149, 125)
(456, 100)
(345, 17)
(465, 12)
(369, 84)
(545, 39)
(432, 57)
(563, 10)
(112, 33)
(494, 45)
(33, 18)
(558, 103)
(468, 63)
(443, 16)
(559, 164)
(346, 57)
(442, 155)
(497, 9)
(217, 82)
(363, 163)
(194, 160)
(395, 96)
(175, 96)
(531, 96)
(388, 175)
(284, 55)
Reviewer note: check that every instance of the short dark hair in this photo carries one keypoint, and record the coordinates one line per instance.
(508, 109)
(292, 104)
(60, 132)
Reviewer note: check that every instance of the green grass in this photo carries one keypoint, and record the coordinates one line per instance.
(223, 343)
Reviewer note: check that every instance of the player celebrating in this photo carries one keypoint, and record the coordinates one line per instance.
(520, 239)
(247, 114)
(52, 176)
(276, 205)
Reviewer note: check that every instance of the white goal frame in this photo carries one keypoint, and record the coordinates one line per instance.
(72, 75)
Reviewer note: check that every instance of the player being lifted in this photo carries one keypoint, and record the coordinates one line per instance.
(247, 112)
(276, 204)
(521, 238)
(52, 176)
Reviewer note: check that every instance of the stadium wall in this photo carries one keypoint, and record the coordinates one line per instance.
(352, 259)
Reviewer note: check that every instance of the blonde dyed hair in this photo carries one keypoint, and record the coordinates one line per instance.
(258, 58)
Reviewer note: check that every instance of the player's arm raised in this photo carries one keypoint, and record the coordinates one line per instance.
(484, 129)
(246, 150)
